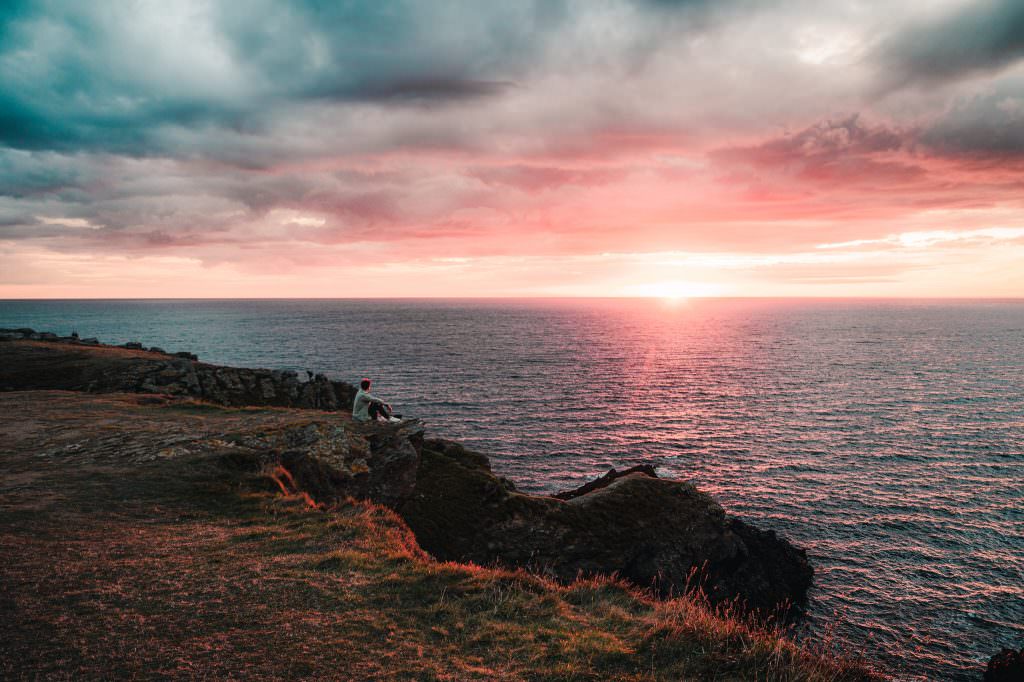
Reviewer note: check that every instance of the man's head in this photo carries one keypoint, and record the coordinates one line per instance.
(365, 384)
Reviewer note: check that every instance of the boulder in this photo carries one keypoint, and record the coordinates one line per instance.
(1006, 666)
(650, 531)
(331, 460)
(605, 481)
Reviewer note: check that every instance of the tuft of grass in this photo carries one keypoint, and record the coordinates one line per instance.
(510, 624)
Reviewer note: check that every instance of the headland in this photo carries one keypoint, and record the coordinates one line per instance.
(163, 515)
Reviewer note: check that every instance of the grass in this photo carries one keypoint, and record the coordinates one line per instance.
(181, 567)
(268, 587)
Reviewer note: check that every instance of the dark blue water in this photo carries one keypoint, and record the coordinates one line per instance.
(887, 437)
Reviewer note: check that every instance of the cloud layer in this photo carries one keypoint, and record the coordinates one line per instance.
(546, 147)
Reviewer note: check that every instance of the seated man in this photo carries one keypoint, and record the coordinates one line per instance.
(367, 406)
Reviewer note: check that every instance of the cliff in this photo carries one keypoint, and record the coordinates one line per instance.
(649, 531)
(141, 541)
(90, 475)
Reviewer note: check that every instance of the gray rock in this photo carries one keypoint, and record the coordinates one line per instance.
(332, 460)
(650, 531)
(79, 367)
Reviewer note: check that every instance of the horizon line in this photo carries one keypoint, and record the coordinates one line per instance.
(520, 298)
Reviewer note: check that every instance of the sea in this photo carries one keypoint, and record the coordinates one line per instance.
(885, 436)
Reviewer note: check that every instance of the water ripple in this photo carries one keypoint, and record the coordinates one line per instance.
(887, 437)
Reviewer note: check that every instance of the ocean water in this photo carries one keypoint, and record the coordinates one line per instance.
(885, 437)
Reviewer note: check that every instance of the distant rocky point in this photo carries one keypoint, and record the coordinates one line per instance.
(74, 364)
(653, 532)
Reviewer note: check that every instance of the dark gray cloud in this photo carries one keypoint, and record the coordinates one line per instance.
(427, 87)
(831, 139)
(988, 126)
(85, 76)
(541, 178)
(985, 36)
(27, 174)
(395, 50)
(139, 80)
(976, 47)
(71, 78)
(844, 149)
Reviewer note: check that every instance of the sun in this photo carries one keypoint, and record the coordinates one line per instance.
(675, 291)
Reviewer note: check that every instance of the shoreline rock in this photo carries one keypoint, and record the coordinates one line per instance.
(1006, 666)
(38, 362)
(605, 481)
(652, 532)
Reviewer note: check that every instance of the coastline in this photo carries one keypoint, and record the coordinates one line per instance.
(748, 646)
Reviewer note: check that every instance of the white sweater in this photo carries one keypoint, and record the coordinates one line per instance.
(361, 405)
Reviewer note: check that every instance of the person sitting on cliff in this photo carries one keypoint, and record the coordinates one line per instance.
(367, 407)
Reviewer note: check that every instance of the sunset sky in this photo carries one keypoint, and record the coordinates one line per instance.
(548, 148)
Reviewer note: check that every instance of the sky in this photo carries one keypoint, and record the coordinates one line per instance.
(531, 148)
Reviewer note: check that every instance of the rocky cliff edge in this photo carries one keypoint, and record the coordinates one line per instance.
(656, 533)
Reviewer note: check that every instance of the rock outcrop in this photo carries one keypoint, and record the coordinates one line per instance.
(1006, 666)
(650, 531)
(33, 362)
(605, 481)
(331, 460)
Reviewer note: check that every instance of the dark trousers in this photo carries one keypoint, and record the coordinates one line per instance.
(378, 409)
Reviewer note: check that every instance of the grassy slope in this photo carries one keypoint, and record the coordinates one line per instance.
(175, 566)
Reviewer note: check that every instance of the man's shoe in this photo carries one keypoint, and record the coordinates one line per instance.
(394, 420)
